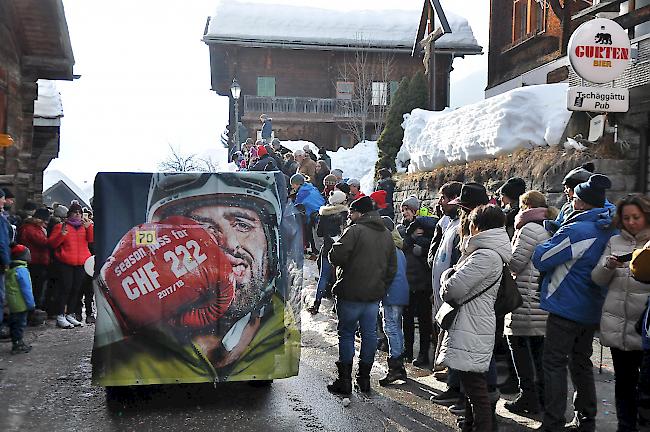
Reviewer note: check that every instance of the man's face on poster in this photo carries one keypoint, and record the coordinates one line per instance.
(240, 234)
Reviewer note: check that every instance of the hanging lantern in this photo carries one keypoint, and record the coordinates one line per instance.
(6, 140)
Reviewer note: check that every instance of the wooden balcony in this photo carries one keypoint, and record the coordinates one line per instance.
(301, 109)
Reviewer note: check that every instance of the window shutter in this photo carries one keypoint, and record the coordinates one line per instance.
(266, 86)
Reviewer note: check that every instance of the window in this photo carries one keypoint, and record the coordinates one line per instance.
(528, 18)
(344, 90)
(379, 93)
(266, 86)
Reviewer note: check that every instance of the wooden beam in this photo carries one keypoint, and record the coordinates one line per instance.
(604, 6)
(634, 18)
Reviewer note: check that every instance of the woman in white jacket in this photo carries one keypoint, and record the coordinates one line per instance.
(525, 327)
(470, 341)
(624, 304)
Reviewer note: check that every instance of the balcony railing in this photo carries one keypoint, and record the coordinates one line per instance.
(298, 105)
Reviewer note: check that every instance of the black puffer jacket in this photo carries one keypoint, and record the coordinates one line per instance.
(415, 249)
(365, 260)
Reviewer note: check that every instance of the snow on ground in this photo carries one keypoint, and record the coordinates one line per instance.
(48, 104)
(521, 118)
(328, 24)
(357, 162)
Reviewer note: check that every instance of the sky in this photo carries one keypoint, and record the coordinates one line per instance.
(145, 81)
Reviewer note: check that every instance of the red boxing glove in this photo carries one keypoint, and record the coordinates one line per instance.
(182, 278)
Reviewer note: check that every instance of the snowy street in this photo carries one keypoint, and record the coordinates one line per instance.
(50, 389)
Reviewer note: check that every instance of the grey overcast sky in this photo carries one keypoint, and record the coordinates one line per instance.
(145, 80)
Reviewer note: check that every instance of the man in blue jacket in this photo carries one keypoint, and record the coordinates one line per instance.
(574, 304)
(308, 197)
(5, 256)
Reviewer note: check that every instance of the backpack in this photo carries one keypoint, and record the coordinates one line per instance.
(508, 296)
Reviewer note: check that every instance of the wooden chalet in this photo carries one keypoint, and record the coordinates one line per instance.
(289, 62)
(35, 44)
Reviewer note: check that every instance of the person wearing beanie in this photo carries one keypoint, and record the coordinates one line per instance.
(366, 264)
(343, 187)
(572, 179)
(329, 182)
(509, 195)
(574, 303)
(266, 162)
(379, 197)
(338, 173)
(331, 222)
(393, 303)
(33, 234)
(69, 240)
(20, 299)
(309, 199)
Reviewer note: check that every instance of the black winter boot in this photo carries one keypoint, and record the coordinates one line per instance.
(423, 360)
(363, 376)
(343, 384)
(524, 403)
(396, 372)
(19, 347)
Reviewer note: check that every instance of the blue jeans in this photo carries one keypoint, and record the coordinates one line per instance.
(17, 324)
(393, 330)
(324, 277)
(352, 315)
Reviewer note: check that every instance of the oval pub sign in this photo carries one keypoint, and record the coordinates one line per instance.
(599, 50)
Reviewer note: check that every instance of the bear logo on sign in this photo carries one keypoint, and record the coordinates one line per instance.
(603, 38)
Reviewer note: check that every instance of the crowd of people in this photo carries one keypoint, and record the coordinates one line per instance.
(42, 255)
(573, 270)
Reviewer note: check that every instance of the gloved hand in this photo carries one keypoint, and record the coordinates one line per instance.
(417, 250)
(313, 309)
(184, 279)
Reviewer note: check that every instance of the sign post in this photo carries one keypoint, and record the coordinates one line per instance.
(599, 52)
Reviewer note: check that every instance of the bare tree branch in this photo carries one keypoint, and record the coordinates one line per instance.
(177, 162)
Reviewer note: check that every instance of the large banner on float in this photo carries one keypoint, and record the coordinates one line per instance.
(198, 278)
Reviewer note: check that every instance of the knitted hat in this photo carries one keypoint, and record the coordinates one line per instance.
(42, 214)
(337, 197)
(640, 264)
(379, 197)
(388, 223)
(61, 211)
(7, 193)
(329, 180)
(297, 179)
(261, 151)
(337, 172)
(343, 187)
(471, 196)
(411, 202)
(362, 205)
(593, 190)
(21, 253)
(354, 182)
(579, 175)
(513, 188)
(74, 208)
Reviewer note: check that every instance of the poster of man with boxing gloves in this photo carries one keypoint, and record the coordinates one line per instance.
(198, 278)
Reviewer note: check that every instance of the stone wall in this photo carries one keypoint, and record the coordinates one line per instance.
(542, 169)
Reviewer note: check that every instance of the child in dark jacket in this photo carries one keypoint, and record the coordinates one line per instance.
(20, 298)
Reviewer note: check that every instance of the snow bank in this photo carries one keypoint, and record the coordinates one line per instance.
(357, 162)
(521, 118)
(257, 21)
(48, 105)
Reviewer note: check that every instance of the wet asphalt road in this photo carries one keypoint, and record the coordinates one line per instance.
(50, 390)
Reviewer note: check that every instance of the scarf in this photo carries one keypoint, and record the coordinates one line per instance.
(531, 215)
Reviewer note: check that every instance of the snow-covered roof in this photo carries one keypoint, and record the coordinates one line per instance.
(52, 176)
(239, 22)
(521, 118)
(48, 105)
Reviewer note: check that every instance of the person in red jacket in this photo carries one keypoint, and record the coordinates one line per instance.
(69, 240)
(32, 233)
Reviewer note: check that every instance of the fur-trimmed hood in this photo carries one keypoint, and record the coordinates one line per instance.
(328, 210)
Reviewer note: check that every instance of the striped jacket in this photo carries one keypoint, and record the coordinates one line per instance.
(567, 259)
